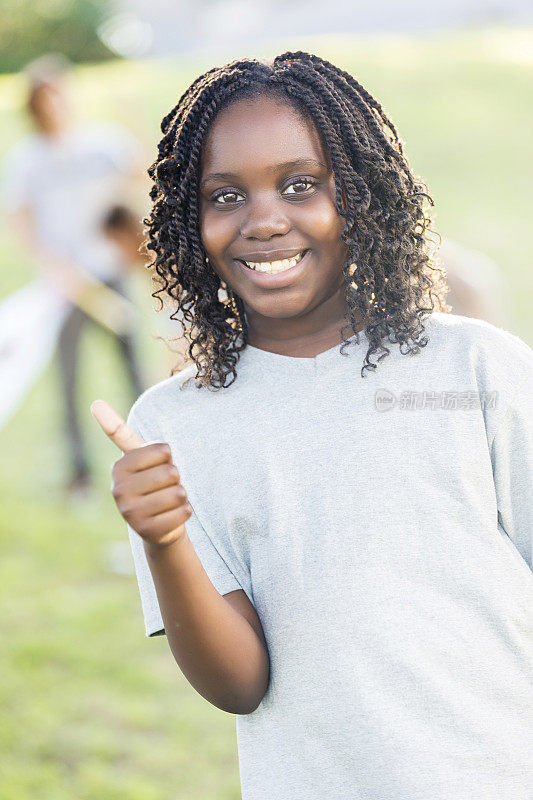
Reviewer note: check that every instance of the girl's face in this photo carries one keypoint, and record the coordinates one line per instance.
(267, 193)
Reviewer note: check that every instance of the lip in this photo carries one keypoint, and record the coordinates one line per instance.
(280, 279)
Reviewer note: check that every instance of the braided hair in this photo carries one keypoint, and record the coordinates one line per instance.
(384, 205)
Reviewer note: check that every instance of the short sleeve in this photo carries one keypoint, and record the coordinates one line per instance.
(15, 179)
(216, 568)
(512, 464)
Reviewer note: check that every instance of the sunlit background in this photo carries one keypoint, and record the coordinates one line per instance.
(90, 707)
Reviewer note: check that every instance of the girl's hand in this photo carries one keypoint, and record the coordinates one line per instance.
(145, 483)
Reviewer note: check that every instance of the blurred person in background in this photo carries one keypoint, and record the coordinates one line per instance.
(477, 284)
(123, 227)
(57, 182)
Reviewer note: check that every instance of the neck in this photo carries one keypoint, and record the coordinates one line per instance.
(54, 130)
(278, 336)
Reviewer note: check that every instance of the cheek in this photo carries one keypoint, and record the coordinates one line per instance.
(323, 222)
(217, 231)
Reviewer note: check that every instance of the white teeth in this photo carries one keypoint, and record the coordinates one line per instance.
(274, 266)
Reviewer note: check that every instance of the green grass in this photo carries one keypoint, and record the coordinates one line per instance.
(90, 707)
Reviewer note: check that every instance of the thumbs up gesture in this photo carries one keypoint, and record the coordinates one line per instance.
(145, 483)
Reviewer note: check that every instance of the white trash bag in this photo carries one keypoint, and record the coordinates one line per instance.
(30, 321)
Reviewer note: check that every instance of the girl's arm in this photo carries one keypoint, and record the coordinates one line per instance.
(218, 643)
(217, 640)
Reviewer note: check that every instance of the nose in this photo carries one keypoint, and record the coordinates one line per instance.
(265, 217)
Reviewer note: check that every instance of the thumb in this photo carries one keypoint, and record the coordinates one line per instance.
(114, 426)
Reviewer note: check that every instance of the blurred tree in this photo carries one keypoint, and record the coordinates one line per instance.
(31, 27)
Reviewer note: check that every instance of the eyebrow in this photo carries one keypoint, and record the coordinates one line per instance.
(299, 162)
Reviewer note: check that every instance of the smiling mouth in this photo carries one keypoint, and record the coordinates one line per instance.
(273, 267)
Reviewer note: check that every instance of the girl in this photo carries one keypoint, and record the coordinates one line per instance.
(340, 557)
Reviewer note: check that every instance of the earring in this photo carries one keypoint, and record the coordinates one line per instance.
(228, 300)
(351, 270)
(233, 305)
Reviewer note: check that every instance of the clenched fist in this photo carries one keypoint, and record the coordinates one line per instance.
(145, 483)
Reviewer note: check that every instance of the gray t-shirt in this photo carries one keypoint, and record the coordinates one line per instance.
(382, 526)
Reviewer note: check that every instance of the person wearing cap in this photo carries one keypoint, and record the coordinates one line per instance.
(57, 182)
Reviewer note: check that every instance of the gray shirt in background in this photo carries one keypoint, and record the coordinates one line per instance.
(383, 529)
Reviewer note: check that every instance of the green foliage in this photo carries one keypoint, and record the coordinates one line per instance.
(30, 28)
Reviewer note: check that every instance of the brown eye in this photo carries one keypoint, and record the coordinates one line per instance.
(305, 182)
(234, 195)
